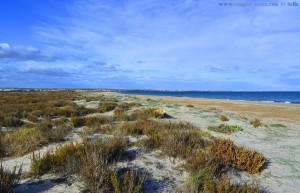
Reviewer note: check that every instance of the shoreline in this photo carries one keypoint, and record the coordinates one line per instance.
(287, 111)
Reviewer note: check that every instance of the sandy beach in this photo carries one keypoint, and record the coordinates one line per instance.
(277, 139)
(280, 145)
(253, 108)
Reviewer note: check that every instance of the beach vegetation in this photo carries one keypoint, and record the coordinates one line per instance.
(9, 179)
(224, 128)
(239, 157)
(21, 141)
(224, 118)
(155, 113)
(189, 105)
(106, 106)
(278, 125)
(256, 123)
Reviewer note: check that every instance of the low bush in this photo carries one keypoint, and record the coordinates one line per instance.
(9, 179)
(224, 118)
(256, 123)
(68, 158)
(21, 141)
(223, 128)
(241, 158)
(90, 160)
(189, 105)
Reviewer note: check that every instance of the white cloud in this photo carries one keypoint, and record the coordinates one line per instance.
(22, 53)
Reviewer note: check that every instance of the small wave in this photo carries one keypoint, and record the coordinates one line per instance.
(287, 102)
(268, 101)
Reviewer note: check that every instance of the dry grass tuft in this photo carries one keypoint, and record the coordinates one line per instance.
(9, 179)
(129, 182)
(256, 123)
(224, 118)
(243, 159)
(155, 112)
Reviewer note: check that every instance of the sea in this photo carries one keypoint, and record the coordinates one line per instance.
(263, 96)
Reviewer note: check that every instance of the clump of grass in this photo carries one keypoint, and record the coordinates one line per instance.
(243, 159)
(224, 118)
(256, 123)
(129, 182)
(189, 105)
(9, 179)
(155, 112)
(224, 128)
(21, 141)
(106, 106)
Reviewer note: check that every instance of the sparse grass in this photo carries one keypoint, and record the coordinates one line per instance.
(223, 128)
(256, 123)
(278, 125)
(91, 161)
(224, 118)
(9, 179)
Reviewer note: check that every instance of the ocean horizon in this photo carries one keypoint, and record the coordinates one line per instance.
(262, 96)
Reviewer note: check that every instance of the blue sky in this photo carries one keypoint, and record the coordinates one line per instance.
(149, 44)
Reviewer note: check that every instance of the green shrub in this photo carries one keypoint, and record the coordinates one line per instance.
(223, 128)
